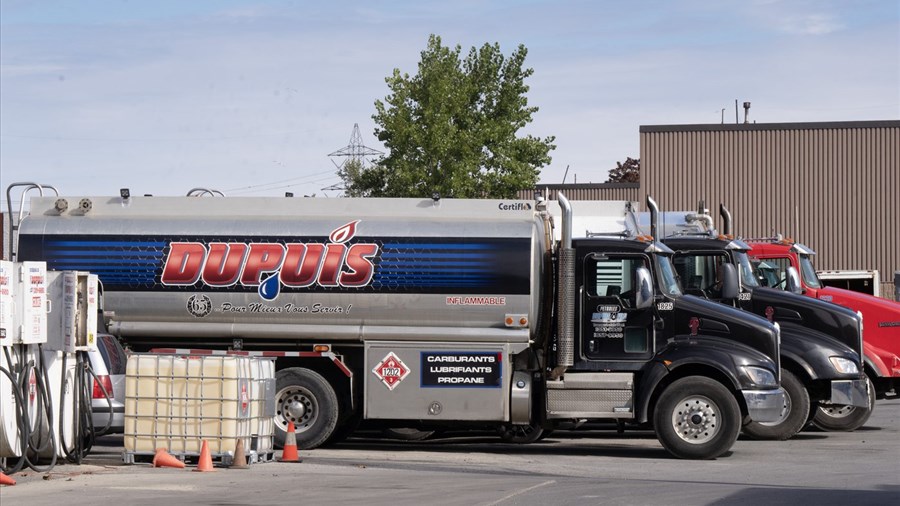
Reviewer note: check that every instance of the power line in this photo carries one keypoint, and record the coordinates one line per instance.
(242, 188)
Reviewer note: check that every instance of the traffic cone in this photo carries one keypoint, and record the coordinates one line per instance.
(6, 480)
(289, 452)
(240, 460)
(204, 465)
(164, 459)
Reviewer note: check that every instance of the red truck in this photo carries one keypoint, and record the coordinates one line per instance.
(775, 258)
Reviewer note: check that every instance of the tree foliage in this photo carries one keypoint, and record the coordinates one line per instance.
(452, 128)
(628, 172)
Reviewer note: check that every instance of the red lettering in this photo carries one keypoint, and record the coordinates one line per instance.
(360, 264)
(263, 257)
(183, 264)
(298, 265)
(223, 263)
(331, 267)
(301, 264)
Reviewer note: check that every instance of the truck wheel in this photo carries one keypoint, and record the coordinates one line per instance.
(845, 418)
(521, 434)
(304, 397)
(794, 415)
(697, 418)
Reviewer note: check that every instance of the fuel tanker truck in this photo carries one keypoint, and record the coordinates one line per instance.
(428, 313)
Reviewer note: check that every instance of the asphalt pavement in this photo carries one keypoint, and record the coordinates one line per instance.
(566, 468)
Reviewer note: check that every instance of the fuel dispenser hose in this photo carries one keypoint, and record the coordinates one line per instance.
(21, 415)
(84, 433)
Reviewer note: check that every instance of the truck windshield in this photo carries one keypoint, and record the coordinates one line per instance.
(668, 281)
(808, 272)
(745, 269)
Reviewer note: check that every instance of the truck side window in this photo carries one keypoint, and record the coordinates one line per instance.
(773, 271)
(610, 277)
(700, 273)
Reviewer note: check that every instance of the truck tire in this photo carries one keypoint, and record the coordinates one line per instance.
(521, 434)
(845, 418)
(697, 418)
(304, 397)
(794, 416)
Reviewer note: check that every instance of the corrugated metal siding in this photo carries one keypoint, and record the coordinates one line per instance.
(833, 189)
(594, 191)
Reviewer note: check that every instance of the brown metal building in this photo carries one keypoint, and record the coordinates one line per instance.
(589, 191)
(832, 186)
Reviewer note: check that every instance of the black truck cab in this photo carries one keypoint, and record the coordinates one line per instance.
(821, 342)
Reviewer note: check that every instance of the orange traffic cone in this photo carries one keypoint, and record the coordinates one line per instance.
(289, 453)
(205, 463)
(164, 459)
(240, 460)
(6, 480)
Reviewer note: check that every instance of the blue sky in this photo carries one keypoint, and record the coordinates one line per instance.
(250, 97)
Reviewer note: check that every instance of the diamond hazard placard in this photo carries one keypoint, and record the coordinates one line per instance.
(391, 370)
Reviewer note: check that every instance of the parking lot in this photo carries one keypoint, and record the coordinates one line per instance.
(586, 467)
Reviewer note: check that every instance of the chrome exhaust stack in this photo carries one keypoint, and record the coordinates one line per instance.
(726, 219)
(566, 292)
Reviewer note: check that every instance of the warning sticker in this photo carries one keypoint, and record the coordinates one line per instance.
(391, 370)
(461, 369)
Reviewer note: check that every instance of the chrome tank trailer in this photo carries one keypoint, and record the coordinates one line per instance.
(286, 268)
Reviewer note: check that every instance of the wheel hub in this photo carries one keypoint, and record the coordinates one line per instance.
(785, 411)
(294, 410)
(838, 411)
(296, 404)
(696, 419)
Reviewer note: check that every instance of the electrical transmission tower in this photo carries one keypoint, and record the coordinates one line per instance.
(356, 152)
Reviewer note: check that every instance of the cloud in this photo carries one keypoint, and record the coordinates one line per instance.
(804, 17)
(810, 24)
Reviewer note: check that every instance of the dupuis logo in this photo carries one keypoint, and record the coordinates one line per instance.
(269, 266)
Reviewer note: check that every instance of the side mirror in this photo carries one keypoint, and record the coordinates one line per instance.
(643, 288)
(793, 281)
(730, 287)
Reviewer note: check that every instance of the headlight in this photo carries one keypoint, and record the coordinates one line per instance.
(844, 365)
(761, 376)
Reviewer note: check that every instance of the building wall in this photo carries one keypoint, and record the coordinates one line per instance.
(591, 191)
(832, 186)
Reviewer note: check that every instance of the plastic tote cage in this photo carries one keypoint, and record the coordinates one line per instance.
(177, 401)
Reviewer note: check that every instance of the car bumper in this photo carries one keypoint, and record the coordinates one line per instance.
(850, 393)
(100, 418)
(764, 405)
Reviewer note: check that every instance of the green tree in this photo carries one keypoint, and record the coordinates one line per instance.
(628, 172)
(352, 173)
(452, 128)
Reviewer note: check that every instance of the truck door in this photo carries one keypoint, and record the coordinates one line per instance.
(612, 329)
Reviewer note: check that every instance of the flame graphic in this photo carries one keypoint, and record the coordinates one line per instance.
(344, 233)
